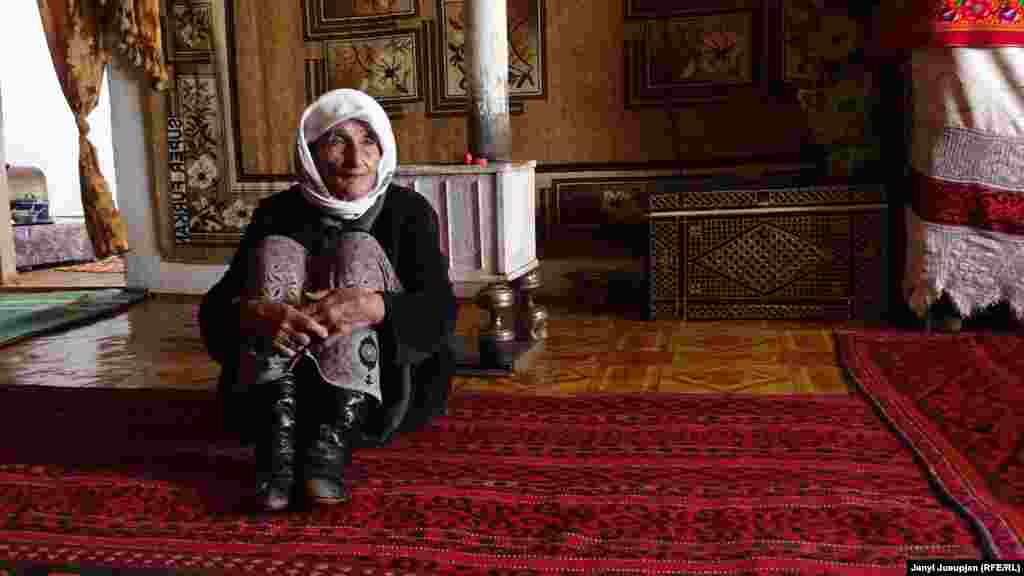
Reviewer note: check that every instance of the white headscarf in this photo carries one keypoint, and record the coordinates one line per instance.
(328, 111)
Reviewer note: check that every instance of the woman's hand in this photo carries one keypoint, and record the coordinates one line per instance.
(290, 328)
(343, 310)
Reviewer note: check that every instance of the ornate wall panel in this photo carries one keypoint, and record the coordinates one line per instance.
(198, 196)
(328, 18)
(527, 73)
(245, 69)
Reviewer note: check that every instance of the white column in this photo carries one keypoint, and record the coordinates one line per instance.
(133, 157)
(132, 167)
(7, 255)
(486, 37)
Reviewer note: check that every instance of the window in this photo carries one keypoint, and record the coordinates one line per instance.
(39, 128)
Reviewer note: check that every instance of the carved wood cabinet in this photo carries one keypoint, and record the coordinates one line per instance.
(487, 219)
(781, 249)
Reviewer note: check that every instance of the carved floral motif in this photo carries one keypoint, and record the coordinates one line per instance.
(524, 47)
(384, 67)
(192, 25)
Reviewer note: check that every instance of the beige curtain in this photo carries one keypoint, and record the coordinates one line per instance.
(81, 35)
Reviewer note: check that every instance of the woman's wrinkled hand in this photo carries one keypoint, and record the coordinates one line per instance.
(343, 310)
(290, 329)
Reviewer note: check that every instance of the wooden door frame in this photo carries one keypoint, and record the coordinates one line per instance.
(8, 270)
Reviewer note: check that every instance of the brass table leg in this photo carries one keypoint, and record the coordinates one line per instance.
(497, 300)
(532, 320)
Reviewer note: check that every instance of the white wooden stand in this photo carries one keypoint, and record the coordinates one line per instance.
(488, 230)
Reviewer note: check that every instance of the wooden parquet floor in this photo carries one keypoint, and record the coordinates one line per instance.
(588, 353)
(156, 344)
(54, 279)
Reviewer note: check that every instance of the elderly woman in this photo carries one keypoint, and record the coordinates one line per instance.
(333, 322)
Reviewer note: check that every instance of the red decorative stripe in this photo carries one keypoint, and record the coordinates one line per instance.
(973, 205)
(978, 23)
(979, 38)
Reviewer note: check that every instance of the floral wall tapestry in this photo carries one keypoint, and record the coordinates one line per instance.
(203, 208)
(704, 49)
(691, 59)
(385, 65)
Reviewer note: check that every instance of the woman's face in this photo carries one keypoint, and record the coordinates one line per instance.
(346, 158)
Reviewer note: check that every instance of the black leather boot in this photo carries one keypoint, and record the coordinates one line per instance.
(331, 448)
(943, 316)
(277, 451)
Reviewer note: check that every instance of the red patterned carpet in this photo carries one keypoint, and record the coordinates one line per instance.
(959, 401)
(651, 484)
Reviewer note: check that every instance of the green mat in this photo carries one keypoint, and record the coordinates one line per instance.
(27, 314)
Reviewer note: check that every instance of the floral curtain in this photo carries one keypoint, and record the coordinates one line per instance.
(82, 35)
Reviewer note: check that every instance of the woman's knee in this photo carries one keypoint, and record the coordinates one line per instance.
(277, 269)
(359, 246)
(359, 261)
(278, 243)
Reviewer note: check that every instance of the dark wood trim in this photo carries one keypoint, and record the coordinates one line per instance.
(543, 31)
(772, 45)
(693, 7)
(313, 30)
(629, 179)
(556, 199)
(435, 107)
(713, 163)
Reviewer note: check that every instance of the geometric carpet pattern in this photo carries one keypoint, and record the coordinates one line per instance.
(958, 401)
(625, 485)
(574, 453)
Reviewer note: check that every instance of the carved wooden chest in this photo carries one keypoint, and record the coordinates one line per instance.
(780, 249)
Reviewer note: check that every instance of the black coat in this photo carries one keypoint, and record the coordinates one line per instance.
(417, 331)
